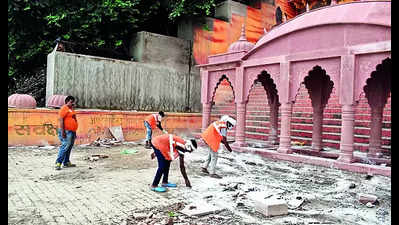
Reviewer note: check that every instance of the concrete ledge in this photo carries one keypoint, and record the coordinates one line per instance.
(353, 167)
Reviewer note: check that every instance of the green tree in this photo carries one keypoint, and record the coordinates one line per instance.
(34, 25)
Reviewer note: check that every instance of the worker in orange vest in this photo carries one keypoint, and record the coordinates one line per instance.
(168, 147)
(151, 122)
(214, 135)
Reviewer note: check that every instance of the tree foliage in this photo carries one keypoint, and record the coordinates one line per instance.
(33, 25)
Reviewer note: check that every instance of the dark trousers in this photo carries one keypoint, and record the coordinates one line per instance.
(163, 168)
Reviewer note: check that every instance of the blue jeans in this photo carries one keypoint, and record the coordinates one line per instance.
(66, 146)
(149, 131)
(163, 168)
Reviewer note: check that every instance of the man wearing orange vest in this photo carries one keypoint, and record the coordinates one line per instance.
(151, 122)
(168, 147)
(214, 135)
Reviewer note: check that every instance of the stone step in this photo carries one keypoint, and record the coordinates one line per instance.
(338, 116)
(254, 136)
(303, 107)
(335, 145)
(262, 130)
(386, 132)
(337, 136)
(328, 119)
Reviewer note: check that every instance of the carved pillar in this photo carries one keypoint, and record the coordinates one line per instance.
(240, 128)
(285, 134)
(347, 131)
(346, 99)
(206, 105)
(375, 133)
(273, 123)
(206, 115)
(317, 128)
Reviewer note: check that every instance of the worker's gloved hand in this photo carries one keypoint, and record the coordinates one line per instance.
(164, 131)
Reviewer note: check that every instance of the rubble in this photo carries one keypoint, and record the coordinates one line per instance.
(106, 142)
(313, 195)
(200, 209)
(140, 216)
(295, 202)
(96, 157)
(117, 133)
(366, 198)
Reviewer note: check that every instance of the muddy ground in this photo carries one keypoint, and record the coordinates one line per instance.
(315, 195)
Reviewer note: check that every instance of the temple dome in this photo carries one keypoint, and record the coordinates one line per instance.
(56, 101)
(21, 101)
(242, 44)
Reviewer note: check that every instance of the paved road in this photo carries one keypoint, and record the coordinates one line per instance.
(37, 194)
(109, 190)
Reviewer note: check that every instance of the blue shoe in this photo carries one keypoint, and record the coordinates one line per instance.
(158, 189)
(169, 185)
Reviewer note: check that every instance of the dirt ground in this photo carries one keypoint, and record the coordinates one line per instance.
(315, 195)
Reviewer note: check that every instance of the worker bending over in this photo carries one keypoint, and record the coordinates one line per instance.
(168, 147)
(151, 122)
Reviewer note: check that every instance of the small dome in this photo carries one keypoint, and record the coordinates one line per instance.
(21, 101)
(56, 101)
(242, 44)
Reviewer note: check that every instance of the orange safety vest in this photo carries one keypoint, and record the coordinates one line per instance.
(162, 143)
(152, 120)
(213, 136)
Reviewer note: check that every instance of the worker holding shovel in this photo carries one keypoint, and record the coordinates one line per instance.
(151, 122)
(214, 135)
(168, 147)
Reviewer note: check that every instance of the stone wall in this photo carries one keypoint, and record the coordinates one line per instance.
(39, 126)
(104, 83)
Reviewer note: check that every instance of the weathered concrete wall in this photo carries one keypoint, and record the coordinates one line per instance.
(161, 50)
(38, 126)
(50, 70)
(122, 85)
(224, 10)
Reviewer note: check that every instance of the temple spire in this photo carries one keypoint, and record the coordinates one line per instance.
(243, 37)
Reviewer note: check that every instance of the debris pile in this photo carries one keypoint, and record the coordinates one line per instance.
(182, 214)
(105, 142)
(93, 158)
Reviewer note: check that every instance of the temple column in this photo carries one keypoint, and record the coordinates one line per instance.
(317, 134)
(240, 127)
(273, 135)
(375, 133)
(347, 134)
(285, 134)
(206, 115)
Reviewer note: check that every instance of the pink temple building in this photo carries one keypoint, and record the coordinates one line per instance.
(340, 55)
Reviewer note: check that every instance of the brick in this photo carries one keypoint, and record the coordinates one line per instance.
(200, 209)
(271, 207)
(365, 198)
(140, 216)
